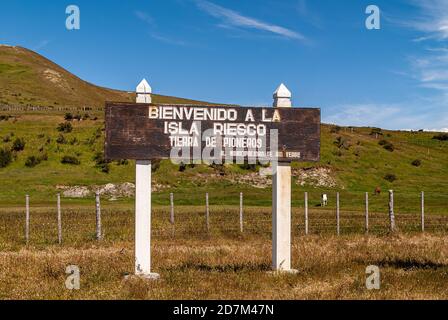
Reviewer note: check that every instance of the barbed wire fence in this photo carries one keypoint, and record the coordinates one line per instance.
(364, 214)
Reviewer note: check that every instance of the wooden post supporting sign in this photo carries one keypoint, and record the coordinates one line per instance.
(143, 203)
(281, 200)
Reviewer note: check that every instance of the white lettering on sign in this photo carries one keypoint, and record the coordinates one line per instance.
(236, 135)
(208, 114)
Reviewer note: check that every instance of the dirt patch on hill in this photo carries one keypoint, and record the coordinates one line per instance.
(315, 177)
(110, 190)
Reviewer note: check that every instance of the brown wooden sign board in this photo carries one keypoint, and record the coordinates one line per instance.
(150, 131)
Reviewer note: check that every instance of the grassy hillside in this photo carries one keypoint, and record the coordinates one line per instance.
(29, 79)
(353, 161)
(356, 162)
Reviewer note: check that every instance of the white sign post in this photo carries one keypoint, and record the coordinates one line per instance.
(143, 203)
(281, 200)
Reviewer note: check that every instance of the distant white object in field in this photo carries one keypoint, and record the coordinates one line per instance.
(324, 200)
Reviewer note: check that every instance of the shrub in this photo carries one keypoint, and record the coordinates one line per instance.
(101, 163)
(342, 143)
(32, 161)
(182, 167)
(248, 167)
(70, 160)
(417, 163)
(5, 157)
(220, 168)
(441, 137)
(6, 138)
(18, 145)
(155, 165)
(61, 139)
(4, 118)
(390, 177)
(65, 127)
(335, 129)
(124, 162)
(68, 117)
(387, 145)
(376, 131)
(74, 141)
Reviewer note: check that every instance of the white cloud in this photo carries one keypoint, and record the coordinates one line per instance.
(437, 130)
(430, 68)
(373, 115)
(233, 18)
(41, 45)
(413, 116)
(433, 20)
(145, 17)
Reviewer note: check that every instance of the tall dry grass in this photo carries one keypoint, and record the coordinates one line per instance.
(223, 264)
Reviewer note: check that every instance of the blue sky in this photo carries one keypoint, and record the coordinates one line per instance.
(239, 51)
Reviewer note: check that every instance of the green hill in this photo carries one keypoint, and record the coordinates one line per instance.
(29, 79)
(354, 160)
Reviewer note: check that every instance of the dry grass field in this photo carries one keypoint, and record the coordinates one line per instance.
(223, 263)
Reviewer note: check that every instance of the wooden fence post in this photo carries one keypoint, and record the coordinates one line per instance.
(98, 217)
(27, 220)
(367, 212)
(338, 214)
(423, 210)
(59, 219)
(241, 213)
(207, 212)
(172, 211)
(391, 211)
(306, 214)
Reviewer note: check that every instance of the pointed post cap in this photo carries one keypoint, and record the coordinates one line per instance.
(282, 97)
(144, 87)
(282, 92)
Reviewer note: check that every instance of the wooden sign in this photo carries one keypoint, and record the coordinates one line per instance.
(188, 132)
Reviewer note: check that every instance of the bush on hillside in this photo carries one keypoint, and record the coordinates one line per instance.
(387, 145)
(5, 157)
(70, 160)
(182, 167)
(335, 129)
(417, 163)
(155, 165)
(390, 177)
(101, 163)
(441, 137)
(68, 117)
(342, 143)
(33, 161)
(248, 166)
(65, 127)
(124, 162)
(61, 139)
(376, 131)
(18, 145)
